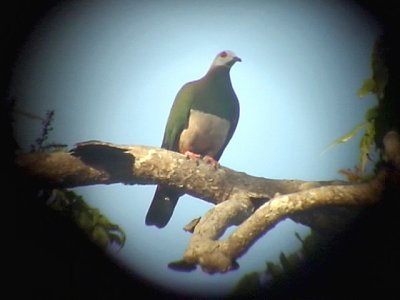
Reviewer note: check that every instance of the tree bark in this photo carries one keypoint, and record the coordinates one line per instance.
(255, 204)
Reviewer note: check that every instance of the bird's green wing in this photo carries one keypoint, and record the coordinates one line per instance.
(178, 116)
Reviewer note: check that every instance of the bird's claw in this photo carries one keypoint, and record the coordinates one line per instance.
(210, 160)
(207, 158)
(192, 155)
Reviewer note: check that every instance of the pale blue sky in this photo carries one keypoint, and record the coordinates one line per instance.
(111, 70)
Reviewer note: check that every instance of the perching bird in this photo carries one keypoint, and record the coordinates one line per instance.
(200, 124)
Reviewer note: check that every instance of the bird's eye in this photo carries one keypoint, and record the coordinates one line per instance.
(223, 54)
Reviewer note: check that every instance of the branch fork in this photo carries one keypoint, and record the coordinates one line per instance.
(254, 204)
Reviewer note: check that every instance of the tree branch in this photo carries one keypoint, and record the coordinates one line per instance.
(220, 256)
(96, 162)
(257, 204)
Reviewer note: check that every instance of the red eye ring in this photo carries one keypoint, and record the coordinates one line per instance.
(223, 54)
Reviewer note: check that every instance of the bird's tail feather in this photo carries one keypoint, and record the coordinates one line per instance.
(162, 206)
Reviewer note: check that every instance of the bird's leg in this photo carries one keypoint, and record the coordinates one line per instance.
(210, 160)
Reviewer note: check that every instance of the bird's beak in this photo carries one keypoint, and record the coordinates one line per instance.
(236, 58)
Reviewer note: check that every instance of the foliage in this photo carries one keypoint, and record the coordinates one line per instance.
(46, 128)
(378, 119)
(256, 283)
(41, 143)
(378, 82)
(97, 227)
(249, 285)
(347, 137)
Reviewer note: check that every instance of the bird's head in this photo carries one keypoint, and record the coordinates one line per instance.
(225, 59)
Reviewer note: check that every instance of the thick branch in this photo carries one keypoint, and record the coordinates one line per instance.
(104, 163)
(220, 256)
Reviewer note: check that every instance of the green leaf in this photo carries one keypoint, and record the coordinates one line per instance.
(345, 138)
(100, 236)
(89, 219)
(366, 144)
(367, 87)
(372, 114)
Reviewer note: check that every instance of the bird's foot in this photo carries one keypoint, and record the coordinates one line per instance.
(192, 155)
(210, 160)
(207, 159)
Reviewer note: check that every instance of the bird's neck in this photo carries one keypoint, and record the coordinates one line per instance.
(219, 75)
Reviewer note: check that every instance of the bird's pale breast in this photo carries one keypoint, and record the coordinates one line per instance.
(205, 134)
